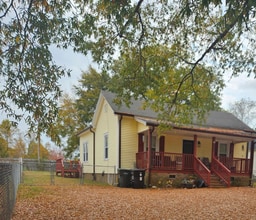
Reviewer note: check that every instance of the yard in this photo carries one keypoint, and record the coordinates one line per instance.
(108, 202)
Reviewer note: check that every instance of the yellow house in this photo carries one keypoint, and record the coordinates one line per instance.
(122, 137)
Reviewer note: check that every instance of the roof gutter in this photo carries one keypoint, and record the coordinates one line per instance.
(216, 132)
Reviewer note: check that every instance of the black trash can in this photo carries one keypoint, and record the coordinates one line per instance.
(124, 179)
(138, 178)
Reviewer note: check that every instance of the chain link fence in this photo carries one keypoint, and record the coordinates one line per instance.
(38, 172)
(10, 178)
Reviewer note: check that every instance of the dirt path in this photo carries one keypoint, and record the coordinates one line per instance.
(96, 202)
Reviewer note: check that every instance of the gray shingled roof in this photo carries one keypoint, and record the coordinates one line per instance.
(135, 109)
(217, 119)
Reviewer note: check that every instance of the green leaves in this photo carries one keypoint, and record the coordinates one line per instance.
(29, 75)
(174, 91)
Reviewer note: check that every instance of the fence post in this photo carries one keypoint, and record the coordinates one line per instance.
(52, 169)
(21, 170)
(81, 174)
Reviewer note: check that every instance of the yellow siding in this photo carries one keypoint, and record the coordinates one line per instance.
(87, 137)
(240, 150)
(129, 142)
(173, 144)
(107, 124)
(205, 149)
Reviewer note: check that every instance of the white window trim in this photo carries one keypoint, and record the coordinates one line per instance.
(227, 150)
(85, 152)
(106, 146)
(155, 140)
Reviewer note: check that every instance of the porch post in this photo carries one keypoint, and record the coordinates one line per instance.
(149, 156)
(195, 145)
(213, 146)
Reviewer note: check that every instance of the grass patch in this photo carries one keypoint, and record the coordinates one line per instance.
(36, 178)
(43, 178)
(36, 183)
(27, 192)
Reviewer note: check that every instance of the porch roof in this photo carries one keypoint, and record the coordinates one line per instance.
(235, 135)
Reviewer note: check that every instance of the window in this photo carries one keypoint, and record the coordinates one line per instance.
(153, 148)
(223, 149)
(106, 146)
(85, 151)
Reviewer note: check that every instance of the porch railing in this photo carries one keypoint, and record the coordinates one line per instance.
(141, 160)
(221, 171)
(236, 165)
(202, 171)
(165, 161)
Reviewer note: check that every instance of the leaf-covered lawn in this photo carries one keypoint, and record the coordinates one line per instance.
(107, 202)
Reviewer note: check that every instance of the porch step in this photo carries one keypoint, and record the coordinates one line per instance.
(216, 182)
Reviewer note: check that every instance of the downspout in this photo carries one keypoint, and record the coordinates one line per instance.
(252, 159)
(149, 154)
(119, 141)
(93, 166)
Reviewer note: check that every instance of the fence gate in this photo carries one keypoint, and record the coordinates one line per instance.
(44, 173)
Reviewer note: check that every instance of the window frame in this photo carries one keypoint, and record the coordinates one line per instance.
(85, 152)
(106, 146)
(221, 148)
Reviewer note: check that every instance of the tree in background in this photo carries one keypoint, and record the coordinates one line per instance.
(3, 147)
(88, 91)
(76, 113)
(19, 148)
(8, 130)
(245, 110)
(64, 131)
(33, 151)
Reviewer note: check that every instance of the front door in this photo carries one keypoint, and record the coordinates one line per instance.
(188, 150)
(188, 147)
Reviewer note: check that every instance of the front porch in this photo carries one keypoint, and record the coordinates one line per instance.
(223, 167)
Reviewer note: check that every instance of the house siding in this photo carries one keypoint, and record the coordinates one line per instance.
(87, 137)
(239, 150)
(173, 143)
(107, 124)
(129, 142)
(205, 149)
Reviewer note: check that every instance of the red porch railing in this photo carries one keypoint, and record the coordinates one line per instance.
(165, 161)
(221, 171)
(236, 165)
(202, 171)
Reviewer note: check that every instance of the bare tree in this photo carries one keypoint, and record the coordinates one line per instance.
(245, 110)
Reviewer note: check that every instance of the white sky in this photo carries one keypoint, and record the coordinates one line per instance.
(238, 88)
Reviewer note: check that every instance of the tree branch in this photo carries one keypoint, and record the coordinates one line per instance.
(7, 10)
(210, 48)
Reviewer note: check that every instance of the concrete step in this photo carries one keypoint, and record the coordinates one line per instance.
(216, 182)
